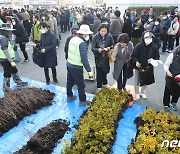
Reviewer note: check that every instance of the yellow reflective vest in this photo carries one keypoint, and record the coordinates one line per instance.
(74, 56)
(10, 50)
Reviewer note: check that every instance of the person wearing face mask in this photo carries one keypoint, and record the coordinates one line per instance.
(121, 55)
(102, 43)
(172, 86)
(48, 47)
(172, 31)
(156, 31)
(142, 52)
(77, 58)
(165, 24)
(148, 26)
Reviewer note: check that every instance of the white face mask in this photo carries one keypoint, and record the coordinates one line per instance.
(13, 23)
(148, 41)
(150, 20)
(87, 38)
(156, 23)
(164, 17)
(42, 31)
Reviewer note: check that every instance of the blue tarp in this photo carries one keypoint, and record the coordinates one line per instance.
(18, 136)
(127, 129)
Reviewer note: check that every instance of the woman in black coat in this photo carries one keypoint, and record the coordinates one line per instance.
(48, 47)
(102, 43)
(144, 71)
(21, 37)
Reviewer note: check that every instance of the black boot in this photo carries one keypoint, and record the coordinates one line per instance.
(6, 85)
(18, 80)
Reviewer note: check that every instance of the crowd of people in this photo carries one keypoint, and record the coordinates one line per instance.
(136, 40)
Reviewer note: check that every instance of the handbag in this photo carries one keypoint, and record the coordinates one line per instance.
(146, 76)
(130, 65)
(38, 57)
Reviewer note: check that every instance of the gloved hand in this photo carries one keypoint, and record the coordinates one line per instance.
(90, 74)
(13, 64)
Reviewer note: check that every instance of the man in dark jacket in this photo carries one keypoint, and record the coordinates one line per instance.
(165, 24)
(77, 58)
(141, 55)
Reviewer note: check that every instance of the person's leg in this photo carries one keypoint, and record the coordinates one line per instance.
(170, 42)
(104, 79)
(17, 57)
(166, 97)
(99, 76)
(54, 74)
(23, 49)
(124, 76)
(174, 102)
(136, 82)
(177, 39)
(46, 72)
(17, 79)
(7, 68)
(70, 83)
(164, 39)
(119, 82)
(77, 75)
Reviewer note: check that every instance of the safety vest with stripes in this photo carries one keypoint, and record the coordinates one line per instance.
(74, 56)
(10, 50)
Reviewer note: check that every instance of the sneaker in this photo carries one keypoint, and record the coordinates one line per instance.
(85, 103)
(143, 96)
(98, 89)
(55, 80)
(70, 99)
(173, 106)
(137, 96)
(106, 86)
(21, 84)
(166, 109)
(25, 61)
(169, 51)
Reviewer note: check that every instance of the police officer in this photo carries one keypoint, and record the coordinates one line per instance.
(77, 58)
(6, 60)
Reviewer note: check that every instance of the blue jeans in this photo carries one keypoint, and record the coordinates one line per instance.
(13, 43)
(171, 42)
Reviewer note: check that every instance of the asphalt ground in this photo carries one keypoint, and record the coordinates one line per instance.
(154, 92)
